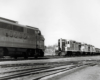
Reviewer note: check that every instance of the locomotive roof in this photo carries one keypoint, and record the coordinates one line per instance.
(32, 27)
(4, 20)
(8, 20)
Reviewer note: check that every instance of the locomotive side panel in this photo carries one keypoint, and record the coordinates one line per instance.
(77, 48)
(16, 37)
(31, 38)
(42, 42)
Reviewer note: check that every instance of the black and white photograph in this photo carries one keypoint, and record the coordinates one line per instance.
(49, 39)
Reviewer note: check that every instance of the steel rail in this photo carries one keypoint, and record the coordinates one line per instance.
(29, 72)
(78, 67)
(38, 72)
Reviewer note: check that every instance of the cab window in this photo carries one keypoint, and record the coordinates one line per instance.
(30, 31)
(38, 32)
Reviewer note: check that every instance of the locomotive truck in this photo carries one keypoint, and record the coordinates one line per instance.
(18, 40)
(74, 48)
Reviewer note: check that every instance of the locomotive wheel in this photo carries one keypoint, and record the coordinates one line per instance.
(59, 53)
(42, 54)
(36, 54)
(1, 52)
(25, 56)
(15, 57)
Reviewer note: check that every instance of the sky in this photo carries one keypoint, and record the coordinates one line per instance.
(77, 20)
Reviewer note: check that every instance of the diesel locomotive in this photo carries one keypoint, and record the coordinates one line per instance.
(18, 40)
(74, 48)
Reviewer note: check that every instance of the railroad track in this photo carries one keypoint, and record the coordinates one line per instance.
(68, 71)
(74, 67)
(30, 70)
(43, 58)
(44, 71)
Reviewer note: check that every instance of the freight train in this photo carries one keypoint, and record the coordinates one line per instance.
(18, 40)
(74, 48)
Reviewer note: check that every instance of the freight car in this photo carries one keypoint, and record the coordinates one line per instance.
(18, 40)
(73, 48)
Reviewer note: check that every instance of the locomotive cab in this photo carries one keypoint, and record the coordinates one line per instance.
(39, 44)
